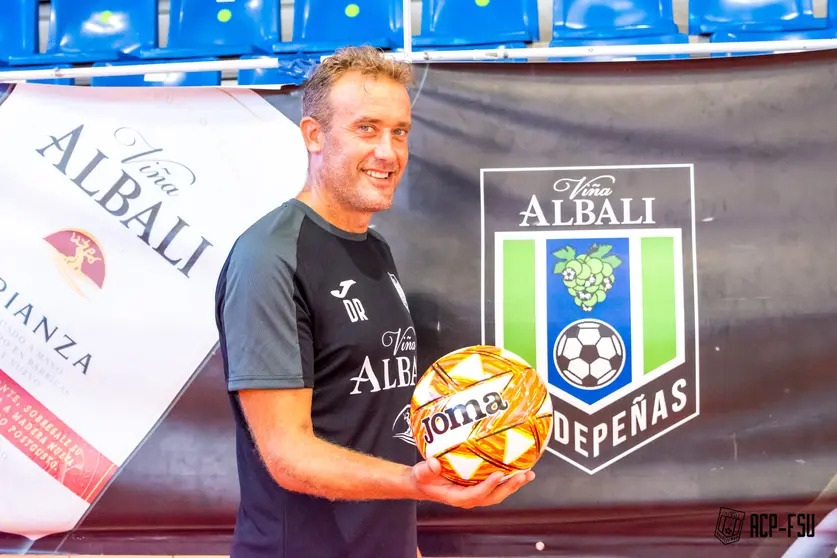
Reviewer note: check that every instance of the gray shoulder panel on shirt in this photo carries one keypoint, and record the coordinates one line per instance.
(260, 311)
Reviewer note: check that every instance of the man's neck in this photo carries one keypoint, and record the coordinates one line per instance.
(333, 212)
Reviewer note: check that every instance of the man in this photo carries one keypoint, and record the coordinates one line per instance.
(319, 346)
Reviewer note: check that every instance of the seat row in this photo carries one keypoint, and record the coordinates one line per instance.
(109, 32)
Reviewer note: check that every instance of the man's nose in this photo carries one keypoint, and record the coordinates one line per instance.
(385, 149)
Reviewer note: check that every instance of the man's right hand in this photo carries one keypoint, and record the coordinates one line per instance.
(429, 482)
(280, 422)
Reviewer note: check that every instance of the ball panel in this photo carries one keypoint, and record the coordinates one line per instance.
(432, 386)
(520, 398)
(607, 377)
(463, 467)
(469, 371)
(579, 369)
(496, 363)
(589, 354)
(543, 425)
(455, 357)
(617, 345)
(572, 348)
(489, 349)
(561, 347)
(535, 426)
(600, 367)
(518, 441)
(589, 334)
(545, 408)
(491, 450)
(606, 348)
(447, 363)
(513, 449)
(515, 358)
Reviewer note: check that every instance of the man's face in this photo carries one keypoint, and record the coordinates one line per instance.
(364, 151)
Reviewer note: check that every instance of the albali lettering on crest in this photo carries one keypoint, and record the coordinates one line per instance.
(121, 198)
(585, 211)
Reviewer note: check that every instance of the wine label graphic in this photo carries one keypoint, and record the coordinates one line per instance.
(79, 258)
(119, 209)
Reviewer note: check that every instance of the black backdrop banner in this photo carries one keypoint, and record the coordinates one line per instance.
(705, 189)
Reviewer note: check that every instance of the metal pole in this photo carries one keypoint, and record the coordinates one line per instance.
(537, 53)
(408, 27)
(139, 68)
(433, 56)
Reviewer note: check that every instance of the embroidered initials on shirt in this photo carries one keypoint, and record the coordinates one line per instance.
(355, 310)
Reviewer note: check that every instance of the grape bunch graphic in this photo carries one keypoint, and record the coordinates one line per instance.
(588, 276)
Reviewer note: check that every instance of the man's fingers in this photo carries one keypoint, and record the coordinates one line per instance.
(487, 493)
(475, 495)
(508, 488)
(504, 491)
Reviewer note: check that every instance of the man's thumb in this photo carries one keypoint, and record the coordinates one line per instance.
(426, 471)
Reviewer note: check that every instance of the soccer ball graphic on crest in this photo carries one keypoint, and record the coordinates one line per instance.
(589, 354)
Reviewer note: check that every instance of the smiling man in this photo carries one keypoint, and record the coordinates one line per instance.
(319, 346)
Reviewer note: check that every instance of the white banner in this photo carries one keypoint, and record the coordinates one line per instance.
(118, 208)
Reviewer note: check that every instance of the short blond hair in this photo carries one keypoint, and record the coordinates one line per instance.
(364, 59)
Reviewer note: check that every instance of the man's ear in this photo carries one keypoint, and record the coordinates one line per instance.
(312, 134)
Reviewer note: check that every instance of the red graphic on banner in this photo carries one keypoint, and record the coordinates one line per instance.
(79, 257)
(50, 443)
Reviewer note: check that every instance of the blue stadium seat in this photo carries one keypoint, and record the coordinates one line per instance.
(489, 22)
(162, 79)
(711, 16)
(200, 29)
(18, 29)
(729, 37)
(606, 19)
(292, 70)
(672, 39)
(84, 31)
(323, 26)
(20, 36)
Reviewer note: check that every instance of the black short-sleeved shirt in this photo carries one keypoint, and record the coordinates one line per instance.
(302, 304)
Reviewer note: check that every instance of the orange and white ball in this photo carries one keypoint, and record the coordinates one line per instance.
(479, 410)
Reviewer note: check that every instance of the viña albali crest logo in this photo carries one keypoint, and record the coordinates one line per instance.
(592, 280)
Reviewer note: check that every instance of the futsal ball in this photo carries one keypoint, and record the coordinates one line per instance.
(479, 410)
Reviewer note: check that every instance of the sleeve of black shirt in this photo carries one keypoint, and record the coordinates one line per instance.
(267, 324)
